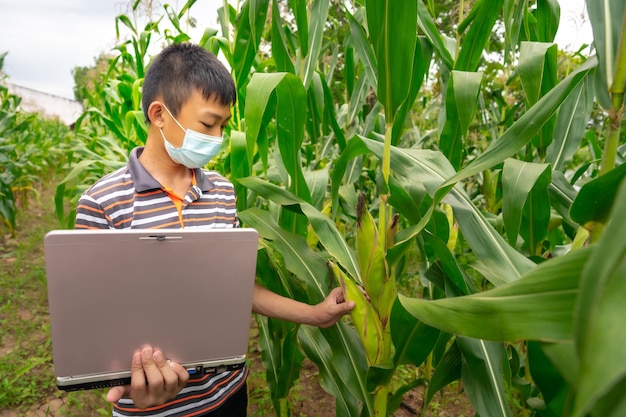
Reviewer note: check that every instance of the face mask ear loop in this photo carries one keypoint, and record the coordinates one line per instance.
(170, 113)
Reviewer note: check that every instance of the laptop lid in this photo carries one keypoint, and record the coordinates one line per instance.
(187, 292)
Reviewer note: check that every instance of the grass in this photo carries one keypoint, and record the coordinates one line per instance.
(25, 347)
(25, 330)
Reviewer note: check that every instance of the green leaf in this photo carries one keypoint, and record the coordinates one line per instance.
(299, 258)
(571, 124)
(279, 44)
(518, 179)
(298, 8)
(323, 226)
(600, 312)
(448, 370)
(427, 25)
(239, 167)
(363, 49)
(513, 17)
(412, 339)
(551, 383)
(319, 15)
(532, 68)
(290, 118)
(250, 23)
(261, 87)
(421, 65)
(461, 98)
(523, 130)
(536, 215)
(392, 27)
(339, 356)
(538, 306)
(485, 13)
(343, 367)
(606, 22)
(562, 195)
(595, 199)
(482, 375)
(430, 169)
(548, 13)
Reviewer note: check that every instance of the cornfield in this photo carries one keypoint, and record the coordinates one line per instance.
(448, 157)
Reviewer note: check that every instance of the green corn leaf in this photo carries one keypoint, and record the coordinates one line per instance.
(338, 354)
(513, 17)
(473, 43)
(554, 389)
(428, 26)
(421, 64)
(461, 98)
(502, 262)
(412, 339)
(299, 258)
(448, 370)
(239, 167)
(536, 215)
(538, 306)
(523, 130)
(247, 39)
(571, 124)
(562, 195)
(548, 13)
(363, 49)
(482, 374)
(279, 44)
(518, 179)
(290, 118)
(532, 68)
(319, 15)
(323, 226)
(392, 27)
(606, 18)
(600, 312)
(595, 199)
(299, 10)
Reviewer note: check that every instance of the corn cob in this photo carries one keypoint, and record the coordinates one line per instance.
(370, 253)
(363, 317)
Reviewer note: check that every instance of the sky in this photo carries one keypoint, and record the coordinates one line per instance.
(46, 39)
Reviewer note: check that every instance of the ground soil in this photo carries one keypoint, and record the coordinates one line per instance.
(307, 399)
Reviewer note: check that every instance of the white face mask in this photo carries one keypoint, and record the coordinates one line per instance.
(197, 148)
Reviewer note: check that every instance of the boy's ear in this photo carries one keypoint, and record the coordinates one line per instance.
(155, 113)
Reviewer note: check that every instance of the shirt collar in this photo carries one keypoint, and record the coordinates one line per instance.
(144, 181)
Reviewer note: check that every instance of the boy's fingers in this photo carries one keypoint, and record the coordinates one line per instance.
(117, 393)
(137, 374)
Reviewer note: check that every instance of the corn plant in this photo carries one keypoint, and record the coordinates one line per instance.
(423, 180)
(32, 149)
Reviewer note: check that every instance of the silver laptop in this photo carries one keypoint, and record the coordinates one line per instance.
(187, 292)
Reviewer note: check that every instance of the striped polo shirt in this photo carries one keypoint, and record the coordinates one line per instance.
(131, 198)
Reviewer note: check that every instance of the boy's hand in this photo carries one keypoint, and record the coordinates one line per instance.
(329, 311)
(154, 380)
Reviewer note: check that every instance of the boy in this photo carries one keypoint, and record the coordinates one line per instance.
(187, 97)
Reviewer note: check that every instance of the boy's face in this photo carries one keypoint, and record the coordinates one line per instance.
(209, 117)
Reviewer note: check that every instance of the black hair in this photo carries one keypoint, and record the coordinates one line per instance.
(179, 70)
